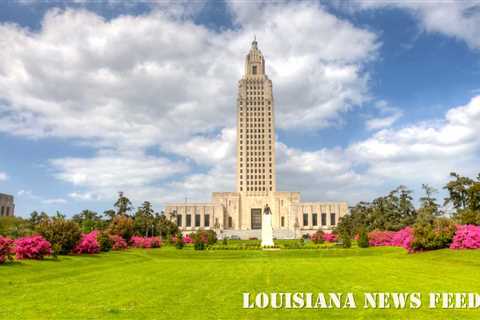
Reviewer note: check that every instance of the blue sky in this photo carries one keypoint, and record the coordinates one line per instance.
(97, 98)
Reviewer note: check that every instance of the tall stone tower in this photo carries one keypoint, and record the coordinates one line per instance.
(255, 129)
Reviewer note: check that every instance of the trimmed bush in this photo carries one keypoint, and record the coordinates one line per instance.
(330, 237)
(347, 242)
(187, 239)
(379, 238)
(363, 239)
(466, 237)
(88, 244)
(6, 249)
(145, 242)
(118, 243)
(318, 237)
(179, 241)
(62, 234)
(105, 242)
(431, 236)
(34, 247)
(403, 238)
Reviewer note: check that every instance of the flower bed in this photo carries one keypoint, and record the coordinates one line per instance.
(88, 243)
(466, 237)
(330, 237)
(145, 242)
(118, 243)
(6, 249)
(380, 238)
(35, 247)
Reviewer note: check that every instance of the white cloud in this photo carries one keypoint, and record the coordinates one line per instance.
(458, 19)
(386, 118)
(427, 150)
(55, 201)
(154, 79)
(3, 176)
(111, 171)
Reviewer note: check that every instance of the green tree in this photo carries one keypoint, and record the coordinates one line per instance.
(88, 221)
(123, 226)
(164, 226)
(109, 214)
(14, 227)
(464, 196)
(123, 204)
(36, 218)
(145, 220)
(363, 239)
(63, 234)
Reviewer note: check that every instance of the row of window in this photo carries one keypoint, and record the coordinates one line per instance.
(255, 130)
(256, 107)
(255, 176)
(254, 119)
(254, 113)
(323, 219)
(250, 160)
(256, 136)
(255, 171)
(255, 189)
(254, 124)
(188, 220)
(255, 164)
(257, 147)
(255, 154)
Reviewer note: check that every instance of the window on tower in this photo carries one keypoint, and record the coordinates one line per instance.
(254, 69)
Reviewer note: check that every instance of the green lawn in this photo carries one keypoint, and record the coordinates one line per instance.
(185, 284)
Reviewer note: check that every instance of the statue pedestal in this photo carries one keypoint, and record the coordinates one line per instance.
(267, 230)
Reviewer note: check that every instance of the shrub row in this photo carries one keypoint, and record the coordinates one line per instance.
(37, 247)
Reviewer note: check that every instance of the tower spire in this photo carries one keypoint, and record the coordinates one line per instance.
(254, 42)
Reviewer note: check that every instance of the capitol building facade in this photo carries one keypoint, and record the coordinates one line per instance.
(240, 213)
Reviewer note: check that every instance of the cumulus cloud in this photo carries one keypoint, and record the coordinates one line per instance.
(111, 171)
(3, 176)
(161, 82)
(458, 19)
(426, 150)
(153, 79)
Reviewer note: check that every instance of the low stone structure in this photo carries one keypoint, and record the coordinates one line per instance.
(7, 206)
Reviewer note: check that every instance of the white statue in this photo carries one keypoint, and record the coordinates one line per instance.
(267, 230)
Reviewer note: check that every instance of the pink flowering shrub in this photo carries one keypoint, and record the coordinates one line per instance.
(187, 239)
(145, 242)
(88, 243)
(137, 242)
(153, 242)
(380, 238)
(6, 249)
(466, 237)
(330, 237)
(403, 238)
(34, 247)
(118, 243)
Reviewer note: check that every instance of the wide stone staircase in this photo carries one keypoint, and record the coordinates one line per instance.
(247, 234)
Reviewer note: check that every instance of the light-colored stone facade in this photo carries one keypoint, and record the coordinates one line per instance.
(240, 212)
(7, 207)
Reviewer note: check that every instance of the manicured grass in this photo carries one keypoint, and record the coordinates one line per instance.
(186, 284)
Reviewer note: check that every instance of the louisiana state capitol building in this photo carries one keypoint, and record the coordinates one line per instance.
(240, 213)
